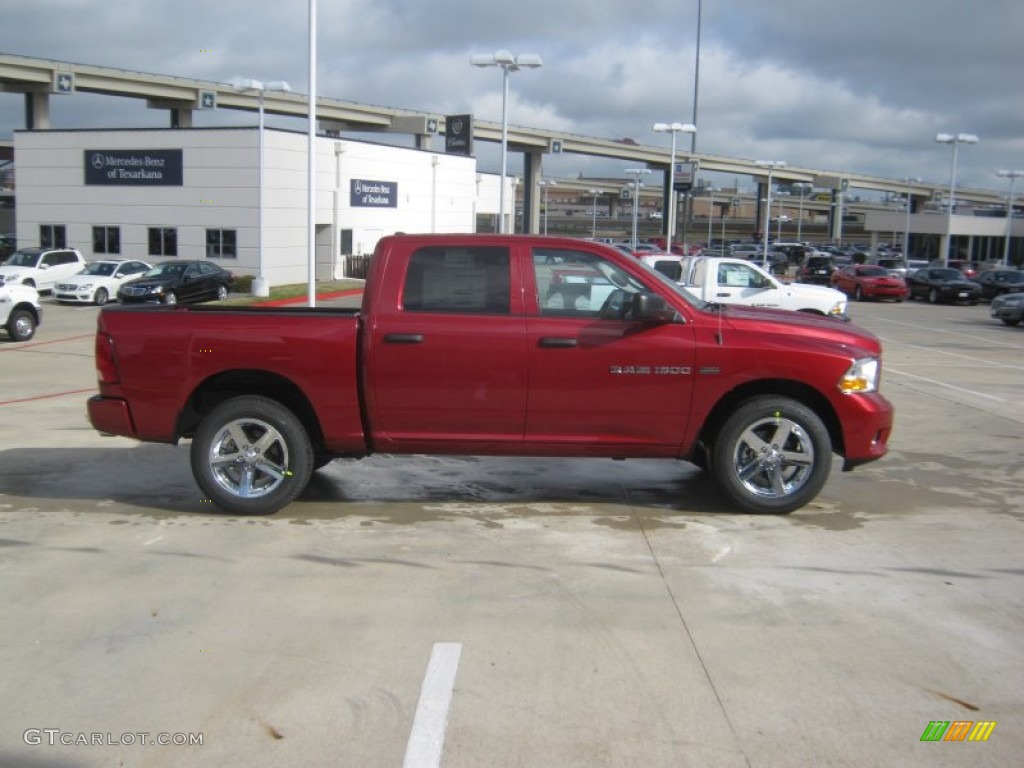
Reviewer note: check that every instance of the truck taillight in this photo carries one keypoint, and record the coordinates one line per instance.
(106, 360)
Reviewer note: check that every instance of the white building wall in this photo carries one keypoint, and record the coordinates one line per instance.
(220, 190)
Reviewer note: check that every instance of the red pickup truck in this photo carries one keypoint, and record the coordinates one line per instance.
(500, 346)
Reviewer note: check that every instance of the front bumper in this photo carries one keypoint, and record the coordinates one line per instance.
(867, 425)
(85, 297)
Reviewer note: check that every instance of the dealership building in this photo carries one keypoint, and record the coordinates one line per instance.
(222, 194)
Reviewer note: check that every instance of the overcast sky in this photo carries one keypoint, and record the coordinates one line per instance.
(855, 85)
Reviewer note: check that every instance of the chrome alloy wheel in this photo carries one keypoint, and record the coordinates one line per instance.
(774, 457)
(248, 458)
(24, 326)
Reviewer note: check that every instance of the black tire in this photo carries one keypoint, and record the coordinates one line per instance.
(102, 297)
(762, 476)
(858, 294)
(21, 325)
(266, 472)
(222, 292)
(933, 296)
(170, 298)
(1011, 322)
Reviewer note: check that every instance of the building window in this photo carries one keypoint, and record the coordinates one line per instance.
(163, 241)
(220, 244)
(106, 240)
(53, 236)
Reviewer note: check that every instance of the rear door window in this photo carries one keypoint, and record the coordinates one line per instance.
(458, 279)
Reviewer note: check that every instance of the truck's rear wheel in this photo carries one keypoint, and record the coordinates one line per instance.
(772, 455)
(251, 455)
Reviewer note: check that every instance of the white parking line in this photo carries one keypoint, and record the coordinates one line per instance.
(943, 384)
(426, 740)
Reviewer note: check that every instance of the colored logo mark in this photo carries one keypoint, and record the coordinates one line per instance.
(958, 730)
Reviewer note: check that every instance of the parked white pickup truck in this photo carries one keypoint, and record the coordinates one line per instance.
(20, 311)
(735, 281)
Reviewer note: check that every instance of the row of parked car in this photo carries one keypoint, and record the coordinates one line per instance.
(65, 274)
(895, 279)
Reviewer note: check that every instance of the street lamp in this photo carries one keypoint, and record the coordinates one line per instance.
(508, 64)
(636, 173)
(673, 128)
(595, 193)
(955, 140)
(770, 165)
(260, 287)
(1011, 175)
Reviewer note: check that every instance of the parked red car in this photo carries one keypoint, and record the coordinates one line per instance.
(868, 281)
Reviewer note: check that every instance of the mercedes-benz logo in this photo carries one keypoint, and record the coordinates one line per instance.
(97, 161)
(359, 187)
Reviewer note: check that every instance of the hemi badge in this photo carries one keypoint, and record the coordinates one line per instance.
(710, 369)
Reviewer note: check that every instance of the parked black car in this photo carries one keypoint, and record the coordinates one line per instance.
(942, 284)
(816, 269)
(170, 282)
(996, 282)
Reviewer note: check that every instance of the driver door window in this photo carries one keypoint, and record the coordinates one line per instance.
(578, 284)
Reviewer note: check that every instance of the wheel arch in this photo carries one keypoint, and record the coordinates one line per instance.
(794, 390)
(228, 384)
(26, 306)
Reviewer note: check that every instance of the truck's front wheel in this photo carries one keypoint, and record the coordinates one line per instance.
(772, 455)
(251, 455)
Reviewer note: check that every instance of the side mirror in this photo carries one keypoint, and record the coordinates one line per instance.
(652, 308)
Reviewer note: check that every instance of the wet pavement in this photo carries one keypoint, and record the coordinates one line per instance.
(606, 613)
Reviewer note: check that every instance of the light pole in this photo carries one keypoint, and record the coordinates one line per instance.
(260, 286)
(954, 140)
(1012, 176)
(636, 173)
(508, 64)
(672, 128)
(770, 165)
(593, 211)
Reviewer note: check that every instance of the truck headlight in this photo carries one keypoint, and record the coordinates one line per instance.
(861, 377)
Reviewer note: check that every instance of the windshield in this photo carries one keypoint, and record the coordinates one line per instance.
(166, 270)
(105, 269)
(23, 259)
(946, 274)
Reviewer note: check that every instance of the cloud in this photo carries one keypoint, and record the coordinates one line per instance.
(861, 87)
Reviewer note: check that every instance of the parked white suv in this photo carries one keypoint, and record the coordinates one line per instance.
(40, 268)
(20, 312)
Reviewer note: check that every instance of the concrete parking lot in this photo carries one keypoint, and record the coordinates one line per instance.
(482, 612)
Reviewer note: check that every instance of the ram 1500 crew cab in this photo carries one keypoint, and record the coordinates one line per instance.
(503, 346)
